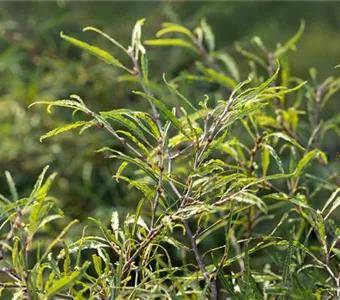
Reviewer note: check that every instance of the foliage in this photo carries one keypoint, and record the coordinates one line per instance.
(222, 180)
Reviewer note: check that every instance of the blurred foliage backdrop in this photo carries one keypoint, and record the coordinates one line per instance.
(35, 64)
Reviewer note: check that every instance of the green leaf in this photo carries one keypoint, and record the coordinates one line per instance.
(67, 280)
(242, 112)
(136, 142)
(144, 188)
(38, 184)
(334, 206)
(208, 35)
(274, 155)
(57, 239)
(137, 215)
(148, 168)
(330, 199)
(251, 56)
(108, 234)
(123, 165)
(115, 223)
(171, 42)
(16, 253)
(216, 76)
(229, 63)
(173, 88)
(145, 67)
(164, 110)
(67, 259)
(307, 158)
(320, 227)
(297, 200)
(288, 262)
(64, 128)
(90, 28)
(172, 27)
(286, 138)
(62, 103)
(265, 160)
(103, 55)
(214, 144)
(97, 263)
(123, 120)
(291, 43)
(227, 284)
(136, 39)
(12, 187)
(253, 200)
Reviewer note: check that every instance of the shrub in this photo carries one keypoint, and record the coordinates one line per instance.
(237, 197)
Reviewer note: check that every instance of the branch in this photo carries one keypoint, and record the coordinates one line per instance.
(200, 262)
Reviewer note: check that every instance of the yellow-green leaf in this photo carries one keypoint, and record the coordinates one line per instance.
(102, 54)
(265, 160)
(61, 129)
(67, 280)
(208, 35)
(171, 42)
(291, 43)
(172, 27)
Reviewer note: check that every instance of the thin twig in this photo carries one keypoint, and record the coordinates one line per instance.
(153, 233)
(199, 259)
(160, 150)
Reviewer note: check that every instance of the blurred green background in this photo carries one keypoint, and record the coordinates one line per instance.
(36, 64)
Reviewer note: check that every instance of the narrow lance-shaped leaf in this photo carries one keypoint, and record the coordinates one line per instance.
(97, 262)
(109, 236)
(334, 206)
(230, 64)
(208, 35)
(67, 259)
(115, 223)
(216, 76)
(144, 188)
(275, 156)
(265, 160)
(164, 110)
(172, 27)
(136, 142)
(291, 43)
(11, 185)
(137, 214)
(62, 103)
(123, 165)
(126, 122)
(307, 158)
(38, 184)
(330, 199)
(288, 262)
(171, 42)
(253, 200)
(57, 239)
(64, 128)
(173, 88)
(102, 54)
(245, 111)
(67, 280)
(90, 28)
(254, 93)
(145, 67)
(148, 168)
(286, 138)
(251, 56)
(136, 39)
